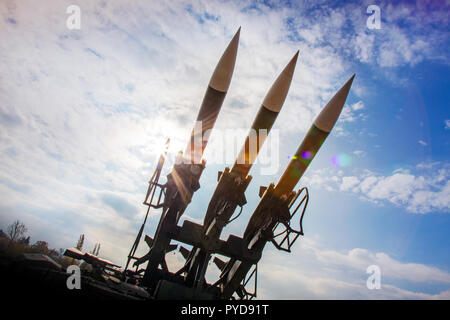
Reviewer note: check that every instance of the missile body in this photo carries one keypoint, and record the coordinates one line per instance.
(212, 102)
(267, 114)
(273, 207)
(262, 124)
(182, 182)
(232, 184)
(314, 139)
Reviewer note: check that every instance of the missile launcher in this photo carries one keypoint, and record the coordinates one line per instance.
(270, 222)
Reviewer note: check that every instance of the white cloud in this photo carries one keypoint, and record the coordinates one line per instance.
(424, 191)
(364, 46)
(358, 106)
(315, 273)
(367, 183)
(418, 194)
(347, 115)
(348, 183)
(423, 143)
(447, 124)
(359, 153)
(360, 259)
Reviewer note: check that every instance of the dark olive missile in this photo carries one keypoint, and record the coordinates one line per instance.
(212, 101)
(273, 205)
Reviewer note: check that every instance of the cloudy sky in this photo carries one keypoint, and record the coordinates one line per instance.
(85, 113)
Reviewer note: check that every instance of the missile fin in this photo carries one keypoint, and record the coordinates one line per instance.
(149, 241)
(184, 252)
(262, 189)
(219, 263)
(172, 247)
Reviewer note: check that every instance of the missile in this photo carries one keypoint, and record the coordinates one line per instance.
(182, 182)
(262, 124)
(186, 176)
(267, 114)
(273, 205)
(315, 137)
(212, 101)
(232, 184)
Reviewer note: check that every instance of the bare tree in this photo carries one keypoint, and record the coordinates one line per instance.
(16, 230)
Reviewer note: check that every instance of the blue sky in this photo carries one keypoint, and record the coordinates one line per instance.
(85, 113)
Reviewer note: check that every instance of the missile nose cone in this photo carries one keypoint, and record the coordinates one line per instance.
(221, 77)
(329, 115)
(277, 94)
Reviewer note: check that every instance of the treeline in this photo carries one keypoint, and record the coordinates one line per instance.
(15, 241)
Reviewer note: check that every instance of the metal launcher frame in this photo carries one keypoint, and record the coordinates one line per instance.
(162, 283)
(270, 222)
(285, 236)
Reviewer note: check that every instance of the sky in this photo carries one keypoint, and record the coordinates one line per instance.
(85, 113)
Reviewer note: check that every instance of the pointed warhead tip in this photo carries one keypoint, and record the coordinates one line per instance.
(221, 78)
(346, 87)
(292, 63)
(236, 36)
(276, 96)
(350, 81)
(329, 115)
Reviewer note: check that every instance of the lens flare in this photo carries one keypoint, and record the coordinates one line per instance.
(341, 160)
(306, 155)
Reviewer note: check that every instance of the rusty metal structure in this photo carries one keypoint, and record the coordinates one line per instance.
(272, 221)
